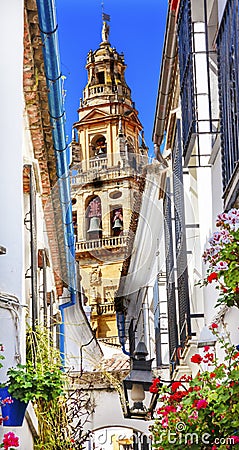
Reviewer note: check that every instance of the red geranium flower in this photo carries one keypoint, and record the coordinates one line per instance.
(10, 440)
(197, 359)
(212, 375)
(214, 325)
(154, 386)
(176, 385)
(212, 276)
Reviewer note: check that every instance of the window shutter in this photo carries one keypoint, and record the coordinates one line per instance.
(171, 298)
(180, 237)
(33, 247)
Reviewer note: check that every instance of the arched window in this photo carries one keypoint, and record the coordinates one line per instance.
(93, 218)
(117, 223)
(98, 147)
(131, 152)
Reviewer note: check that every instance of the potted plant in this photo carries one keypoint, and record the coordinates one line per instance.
(30, 383)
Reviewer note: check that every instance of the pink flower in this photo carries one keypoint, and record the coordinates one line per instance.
(221, 265)
(10, 440)
(6, 400)
(201, 404)
(194, 415)
(235, 439)
(164, 422)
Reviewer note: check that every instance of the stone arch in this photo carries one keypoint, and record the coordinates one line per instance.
(98, 146)
(105, 418)
(116, 218)
(93, 217)
(131, 152)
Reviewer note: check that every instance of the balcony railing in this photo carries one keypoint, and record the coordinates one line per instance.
(98, 163)
(108, 242)
(110, 340)
(99, 171)
(103, 308)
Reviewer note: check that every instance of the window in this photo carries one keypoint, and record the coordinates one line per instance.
(101, 77)
(93, 218)
(116, 218)
(98, 147)
(179, 321)
(186, 71)
(228, 57)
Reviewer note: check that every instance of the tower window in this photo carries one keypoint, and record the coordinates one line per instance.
(93, 218)
(117, 221)
(99, 146)
(101, 77)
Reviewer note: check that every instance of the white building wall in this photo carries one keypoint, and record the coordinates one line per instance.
(12, 275)
(11, 125)
(108, 412)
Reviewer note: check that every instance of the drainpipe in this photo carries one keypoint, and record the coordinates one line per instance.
(48, 27)
(121, 331)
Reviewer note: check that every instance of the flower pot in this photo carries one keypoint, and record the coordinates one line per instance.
(15, 411)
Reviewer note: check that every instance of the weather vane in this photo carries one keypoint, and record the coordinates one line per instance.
(105, 17)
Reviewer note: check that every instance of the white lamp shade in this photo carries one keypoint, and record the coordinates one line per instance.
(137, 393)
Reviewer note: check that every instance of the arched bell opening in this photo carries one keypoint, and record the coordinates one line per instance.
(93, 216)
(98, 147)
(117, 223)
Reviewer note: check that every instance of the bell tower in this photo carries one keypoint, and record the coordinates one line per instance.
(108, 156)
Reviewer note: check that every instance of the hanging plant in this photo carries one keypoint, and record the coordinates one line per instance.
(222, 257)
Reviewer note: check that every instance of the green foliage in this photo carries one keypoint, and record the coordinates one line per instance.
(1, 356)
(222, 257)
(201, 413)
(41, 377)
(28, 383)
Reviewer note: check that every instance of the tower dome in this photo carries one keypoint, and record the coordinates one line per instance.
(106, 79)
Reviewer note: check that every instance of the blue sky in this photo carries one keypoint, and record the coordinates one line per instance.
(136, 28)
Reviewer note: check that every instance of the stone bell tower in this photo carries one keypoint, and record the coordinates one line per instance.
(107, 162)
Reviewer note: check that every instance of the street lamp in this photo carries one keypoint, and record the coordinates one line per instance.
(140, 403)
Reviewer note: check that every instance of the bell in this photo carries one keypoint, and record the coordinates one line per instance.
(94, 225)
(117, 225)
